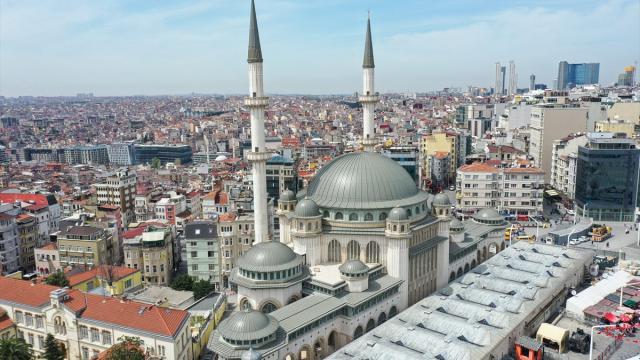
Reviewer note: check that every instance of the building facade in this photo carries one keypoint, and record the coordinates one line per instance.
(165, 153)
(119, 189)
(85, 245)
(570, 75)
(203, 251)
(151, 250)
(564, 163)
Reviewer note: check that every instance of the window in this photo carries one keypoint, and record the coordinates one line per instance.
(84, 332)
(85, 353)
(383, 216)
(353, 217)
(31, 340)
(106, 338)
(211, 253)
(212, 266)
(339, 216)
(28, 319)
(194, 267)
(161, 267)
(194, 254)
(161, 350)
(373, 252)
(95, 335)
(40, 341)
(128, 283)
(334, 251)
(353, 250)
(209, 243)
(368, 217)
(19, 317)
(39, 322)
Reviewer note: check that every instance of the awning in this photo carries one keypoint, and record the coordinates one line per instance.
(552, 193)
(552, 332)
(625, 318)
(630, 304)
(610, 318)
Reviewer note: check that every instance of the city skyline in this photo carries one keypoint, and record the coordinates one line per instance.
(313, 47)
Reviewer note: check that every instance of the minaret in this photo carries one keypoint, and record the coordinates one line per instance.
(369, 98)
(257, 103)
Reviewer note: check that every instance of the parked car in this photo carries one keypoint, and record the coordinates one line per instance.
(574, 241)
(583, 238)
(452, 188)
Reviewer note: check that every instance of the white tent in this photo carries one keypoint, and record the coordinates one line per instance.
(593, 294)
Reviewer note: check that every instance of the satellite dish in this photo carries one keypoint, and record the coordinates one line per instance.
(574, 292)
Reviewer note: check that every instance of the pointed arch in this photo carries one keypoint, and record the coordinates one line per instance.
(334, 251)
(373, 252)
(353, 250)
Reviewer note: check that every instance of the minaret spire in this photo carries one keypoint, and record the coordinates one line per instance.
(255, 52)
(257, 103)
(369, 97)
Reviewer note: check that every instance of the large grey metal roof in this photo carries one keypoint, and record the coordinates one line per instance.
(471, 317)
(269, 256)
(364, 180)
(487, 214)
(368, 62)
(248, 324)
(255, 52)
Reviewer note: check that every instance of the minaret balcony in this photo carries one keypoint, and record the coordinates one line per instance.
(261, 101)
(368, 98)
(258, 156)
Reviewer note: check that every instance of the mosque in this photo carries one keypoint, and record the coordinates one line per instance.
(358, 245)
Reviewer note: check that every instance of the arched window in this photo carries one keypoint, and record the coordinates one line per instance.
(424, 207)
(353, 217)
(300, 225)
(268, 307)
(333, 255)
(370, 325)
(358, 332)
(417, 210)
(308, 226)
(392, 312)
(383, 216)
(373, 252)
(368, 217)
(325, 214)
(353, 250)
(339, 216)
(409, 212)
(395, 227)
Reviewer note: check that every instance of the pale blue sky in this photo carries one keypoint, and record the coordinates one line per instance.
(62, 47)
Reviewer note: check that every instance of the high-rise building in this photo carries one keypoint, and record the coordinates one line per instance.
(532, 82)
(513, 78)
(119, 189)
(165, 153)
(122, 153)
(570, 75)
(607, 178)
(627, 78)
(499, 88)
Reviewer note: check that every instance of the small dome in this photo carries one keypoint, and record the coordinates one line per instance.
(353, 267)
(456, 225)
(398, 214)
(287, 195)
(251, 355)
(487, 215)
(248, 325)
(267, 256)
(441, 199)
(307, 208)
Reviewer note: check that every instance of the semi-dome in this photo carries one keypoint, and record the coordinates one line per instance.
(398, 214)
(287, 195)
(441, 199)
(247, 325)
(251, 354)
(353, 267)
(307, 208)
(363, 180)
(269, 255)
(488, 216)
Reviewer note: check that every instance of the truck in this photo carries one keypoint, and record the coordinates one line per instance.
(600, 232)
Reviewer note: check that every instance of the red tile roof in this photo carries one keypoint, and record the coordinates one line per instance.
(24, 292)
(38, 199)
(478, 167)
(50, 246)
(5, 322)
(118, 273)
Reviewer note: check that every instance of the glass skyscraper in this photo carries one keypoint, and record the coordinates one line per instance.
(570, 75)
(607, 178)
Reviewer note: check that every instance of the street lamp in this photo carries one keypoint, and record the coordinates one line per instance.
(573, 229)
(537, 226)
(623, 286)
(511, 233)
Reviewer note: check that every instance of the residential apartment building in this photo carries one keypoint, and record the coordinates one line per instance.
(35, 204)
(9, 249)
(106, 280)
(84, 325)
(119, 189)
(516, 190)
(194, 203)
(407, 156)
(203, 251)
(454, 143)
(629, 128)
(85, 245)
(27, 227)
(168, 208)
(236, 236)
(548, 121)
(480, 119)
(47, 259)
(564, 163)
(150, 248)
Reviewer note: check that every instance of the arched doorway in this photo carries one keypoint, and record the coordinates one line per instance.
(305, 353)
(479, 256)
(484, 253)
(372, 252)
(452, 276)
(370, 325)
(473, 263)
(459, 272)
(382, 318)
(493, 249)
(393, 311)
(358, 332)
(331, 342)
(319, 349)
(293, 299)
(466, 268)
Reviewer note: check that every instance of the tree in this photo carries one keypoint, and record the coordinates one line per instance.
(155, 163)
(201, 289)
(52, 349)
(129, 348)
(182, 282)
(58, 278)
(15, 349)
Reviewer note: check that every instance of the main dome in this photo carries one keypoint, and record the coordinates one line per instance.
(363, 180)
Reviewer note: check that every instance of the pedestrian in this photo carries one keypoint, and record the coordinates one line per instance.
(607, 244)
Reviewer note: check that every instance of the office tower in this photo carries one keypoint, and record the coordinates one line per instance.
(513, 78)
(500, 79)
(570, 75)
(532, 82)
(627, 77)
(607, 178)
(165, 153)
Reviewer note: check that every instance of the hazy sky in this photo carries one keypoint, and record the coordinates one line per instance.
(60, 47)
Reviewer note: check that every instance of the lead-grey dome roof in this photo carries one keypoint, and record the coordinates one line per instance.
(269, 256)
(398, 214)
(354, 267)
(456, 225)
(287, 195)
(363, 180)
(441, 199)
(248, 325)
(487, 214)
(251, 354)
(307, 208)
